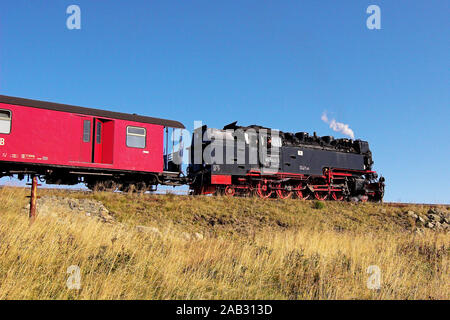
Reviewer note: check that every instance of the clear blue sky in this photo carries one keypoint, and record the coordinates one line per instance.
(275, 63)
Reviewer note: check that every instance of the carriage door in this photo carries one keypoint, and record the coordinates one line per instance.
(103, 141)
(85, 154)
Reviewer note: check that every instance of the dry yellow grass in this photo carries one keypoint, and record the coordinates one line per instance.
(253, 249)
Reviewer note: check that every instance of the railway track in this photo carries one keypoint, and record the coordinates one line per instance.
(405, 204)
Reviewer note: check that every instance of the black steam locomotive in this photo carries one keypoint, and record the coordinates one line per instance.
(256, 160)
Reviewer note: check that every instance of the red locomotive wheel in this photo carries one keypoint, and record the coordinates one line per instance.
(302, 194)
(337, 195)
(230, 191)
(321, 195)
(263, 190)
(283, 193)
(247, 192)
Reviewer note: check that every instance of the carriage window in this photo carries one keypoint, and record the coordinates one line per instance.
(136, 137)
(5, 121)
(99, 133)
(87, 130)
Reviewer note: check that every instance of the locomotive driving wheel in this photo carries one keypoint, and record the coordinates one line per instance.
(263, 190)
(337, 195)
(302, 194)
(321, 195)
(249, 192)
(230, 191)
(283, 192)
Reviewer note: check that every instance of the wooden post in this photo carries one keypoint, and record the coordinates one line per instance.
(33, 198)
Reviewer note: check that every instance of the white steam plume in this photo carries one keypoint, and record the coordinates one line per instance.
(338, 126)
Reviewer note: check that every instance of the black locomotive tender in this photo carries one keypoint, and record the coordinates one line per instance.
(304, 166)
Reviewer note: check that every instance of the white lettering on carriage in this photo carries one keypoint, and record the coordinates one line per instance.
(2, 141)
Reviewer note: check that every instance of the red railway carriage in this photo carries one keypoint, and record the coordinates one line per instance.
(68, 144)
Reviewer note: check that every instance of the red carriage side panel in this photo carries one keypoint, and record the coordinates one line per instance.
(149, 158)
(49, 137)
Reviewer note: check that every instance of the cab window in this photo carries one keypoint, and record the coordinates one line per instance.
(5, 121)
(136, 137)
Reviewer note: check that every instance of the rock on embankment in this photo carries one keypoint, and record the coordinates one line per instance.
(435, 219)
(52, 205)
